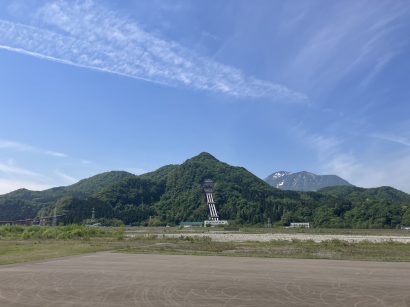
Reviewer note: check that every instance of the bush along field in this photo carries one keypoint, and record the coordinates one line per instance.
(71, 232)
(34, 243)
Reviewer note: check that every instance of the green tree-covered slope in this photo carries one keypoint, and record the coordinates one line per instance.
(174, 193)
(23, 203)
(359, 195)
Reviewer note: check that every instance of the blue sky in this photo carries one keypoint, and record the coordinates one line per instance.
(91, 86)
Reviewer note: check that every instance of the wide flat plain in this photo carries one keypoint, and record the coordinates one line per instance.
(117, 279)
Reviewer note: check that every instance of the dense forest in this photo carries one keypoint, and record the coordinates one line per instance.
(174, 193)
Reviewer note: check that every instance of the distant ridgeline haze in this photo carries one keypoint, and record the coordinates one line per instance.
(174, 193)
(303, 181)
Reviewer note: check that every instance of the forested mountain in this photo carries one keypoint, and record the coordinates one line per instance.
(359, 195)
(238, 193)
(24, 203)
(98, 182)
(303, 181)
(161, 174)
(174, 193)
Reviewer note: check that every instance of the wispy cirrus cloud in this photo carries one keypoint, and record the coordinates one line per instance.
(364, 30)
(17, 146)
(13, 177)
(394, 138)
(7, 185)
(67, 178)
(86, 162)
(137, 171)
(367, 168)
(55, 153)
(87, 35)
(372, 171)
(10, 169)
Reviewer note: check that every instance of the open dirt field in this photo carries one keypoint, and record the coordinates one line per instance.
(114, 279)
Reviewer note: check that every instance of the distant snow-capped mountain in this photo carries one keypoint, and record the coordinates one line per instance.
(303, 181)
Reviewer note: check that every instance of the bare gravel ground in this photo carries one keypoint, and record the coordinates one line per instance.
(114, 279)
(266, 237)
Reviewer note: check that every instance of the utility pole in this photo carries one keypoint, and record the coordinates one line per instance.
(55, 217)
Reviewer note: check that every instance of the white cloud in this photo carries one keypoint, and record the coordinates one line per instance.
(352, 39)
(13, 177)
(380, 63)
(66, 177)
(325, 146)
(137, 171)
(367, 169)
(391, 138)
(8, 185)
(10, 169)
(55, 154)
(344, 165)
(15, 146)
(28, 148)
(86, 35)
(371, 171)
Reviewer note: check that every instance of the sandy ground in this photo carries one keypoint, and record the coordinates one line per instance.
(114, 279)
(266, 237)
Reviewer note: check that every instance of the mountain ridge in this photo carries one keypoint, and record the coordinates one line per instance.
(174, 193)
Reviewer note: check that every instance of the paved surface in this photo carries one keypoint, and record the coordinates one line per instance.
(110, 279)
(266, 237)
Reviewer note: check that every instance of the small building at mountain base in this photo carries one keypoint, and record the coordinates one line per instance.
(190, 224)
(299, 225)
